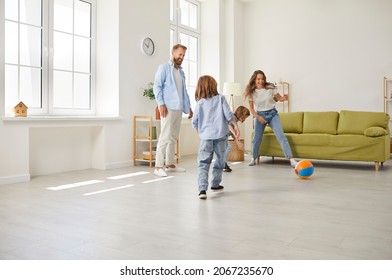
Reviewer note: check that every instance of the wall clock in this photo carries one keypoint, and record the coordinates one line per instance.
(148, 46)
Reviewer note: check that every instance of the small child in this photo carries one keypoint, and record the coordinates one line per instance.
(241, 113)
(212, 113)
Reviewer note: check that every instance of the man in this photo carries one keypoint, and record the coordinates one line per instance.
(173, 99)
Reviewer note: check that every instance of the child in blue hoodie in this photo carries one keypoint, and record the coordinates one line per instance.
(212, 113)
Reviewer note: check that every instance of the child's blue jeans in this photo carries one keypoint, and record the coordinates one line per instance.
(207, 148)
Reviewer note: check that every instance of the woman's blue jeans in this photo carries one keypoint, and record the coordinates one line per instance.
(207, 148)
(272, 118)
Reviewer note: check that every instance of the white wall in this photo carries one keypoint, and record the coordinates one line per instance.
(59, 148)
(13, 146)
(334, 54)
(107, 57)
(212, 46)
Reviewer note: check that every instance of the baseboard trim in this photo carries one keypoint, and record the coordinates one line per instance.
(14, 179)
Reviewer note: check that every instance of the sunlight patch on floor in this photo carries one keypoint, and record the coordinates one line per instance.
(74, 185)
(156, 180)
(109, 190)
(127, 175)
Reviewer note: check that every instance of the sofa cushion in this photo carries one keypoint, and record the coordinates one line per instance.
(320, 122)
(375, 131)
(291, 121)
(355, 122)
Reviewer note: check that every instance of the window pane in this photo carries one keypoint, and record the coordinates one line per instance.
(82, 91)
(171, 40)
(62, 89)
(82, 18)
(192, 74)
(30, 45)
(171, 10)
(11, 10)
(30, 12)
(30, 86)
(184, 8)
(82, 55)
(62, 44)
(11, 86)
(185, 67)
(192, 47)
(11, 42)
(184, 39)
(63, 15)
(191, 92)
(188, 15)
(192, 16)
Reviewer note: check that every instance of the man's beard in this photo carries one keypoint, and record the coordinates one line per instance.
(177, 61)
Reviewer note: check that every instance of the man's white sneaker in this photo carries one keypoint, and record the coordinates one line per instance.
(160, 172)
(175, 169)
(252, 162)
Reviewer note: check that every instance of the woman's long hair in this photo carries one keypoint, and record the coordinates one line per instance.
(251, 86)
(206, 87)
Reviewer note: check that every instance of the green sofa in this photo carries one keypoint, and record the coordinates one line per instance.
(348, 135)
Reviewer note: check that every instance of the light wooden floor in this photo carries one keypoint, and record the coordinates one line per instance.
(265, 212)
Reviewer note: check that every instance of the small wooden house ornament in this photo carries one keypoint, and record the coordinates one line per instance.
(20, 110)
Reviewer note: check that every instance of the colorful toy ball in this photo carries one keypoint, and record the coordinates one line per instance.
(304, 169)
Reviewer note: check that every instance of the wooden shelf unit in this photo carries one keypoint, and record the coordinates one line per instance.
(283, 88)
(145, 136)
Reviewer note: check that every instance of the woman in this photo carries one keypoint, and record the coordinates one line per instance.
(262, 97)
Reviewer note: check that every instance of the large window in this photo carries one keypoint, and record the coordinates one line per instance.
(49, 56)
(185, 29)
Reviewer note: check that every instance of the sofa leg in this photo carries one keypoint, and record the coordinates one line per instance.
(377, 165)
(273, 159)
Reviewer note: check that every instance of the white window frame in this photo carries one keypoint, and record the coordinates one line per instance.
(47, 52)
(177, 28)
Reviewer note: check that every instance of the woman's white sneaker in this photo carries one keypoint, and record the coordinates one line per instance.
(293, 163)
(160, 172)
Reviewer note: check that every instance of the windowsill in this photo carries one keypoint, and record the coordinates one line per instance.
(184, 120)
(60, 118)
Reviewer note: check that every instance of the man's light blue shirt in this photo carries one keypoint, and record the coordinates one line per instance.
(211, 117)
(165, 89)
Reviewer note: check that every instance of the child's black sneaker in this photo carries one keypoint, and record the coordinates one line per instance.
(218, 188)
(227, 168)
(203, 195)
